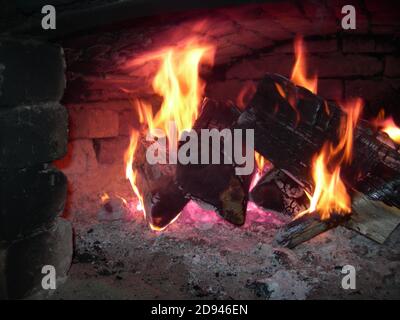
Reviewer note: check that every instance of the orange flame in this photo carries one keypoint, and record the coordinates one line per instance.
(299, 74)
(388, 126)
(178, 82)
(261, 163)
(330, 194)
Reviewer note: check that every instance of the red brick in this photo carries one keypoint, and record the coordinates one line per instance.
(377, 92)
(80, 158)
(111, 150)
(247, 38)
(228, 53)
(224, 90)
(254, 69)
(311, 46)
(128, 120)
(339, 65)
(384, 11)
(88, 122)
(331, 89)
(392, 66)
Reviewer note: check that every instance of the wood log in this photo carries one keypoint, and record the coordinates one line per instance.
(291, 125)
(216, 184)
(306, 228)
(163, 200)
(279, 192)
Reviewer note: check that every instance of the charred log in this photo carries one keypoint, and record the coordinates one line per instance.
(306, 228)
(162, 198)
(279, 192)
(291, 125)
(217, 185)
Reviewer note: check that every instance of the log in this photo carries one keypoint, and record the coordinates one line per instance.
(279, 192)
(291, 125)
(216, 184)
(163, 200)
(305, 228)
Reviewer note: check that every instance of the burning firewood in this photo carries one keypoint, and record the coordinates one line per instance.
(292, 125)
(161, 197)
(278, 192)
(216, 184)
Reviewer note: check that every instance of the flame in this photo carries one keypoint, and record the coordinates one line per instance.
(246, 93)
(105, 197)
(299, 74)
(177, 80)
(388, 126)
(330, 194)
(261, 163)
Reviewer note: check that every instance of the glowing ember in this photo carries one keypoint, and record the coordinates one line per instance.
(177, 81)
(388, 126)
(330, 194)
(299, 74)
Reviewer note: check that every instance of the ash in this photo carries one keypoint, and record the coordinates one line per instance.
(202, 257)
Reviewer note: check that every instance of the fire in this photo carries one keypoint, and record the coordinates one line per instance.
(388, 126)
(177, 80)
(261, 163)
(330, 194)
(105, 197)
(299, 74)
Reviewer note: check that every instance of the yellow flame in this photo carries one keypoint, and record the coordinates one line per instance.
(178, 82)
(388, 126)
(330, 194)
(299, 74)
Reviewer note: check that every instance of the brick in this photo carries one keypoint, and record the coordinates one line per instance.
(30, 72)
(224, 90)
(227, 54)
(384, 12)
(378, 93)
(111, 150)
(26, 258)
(128, 120)
(369, 45)
(89, 122)
(331, 89)
(311, 46)
(30, 199)
(339, 65)
(254, 69)
(249, 39)
(31, 135)
(80, 159)
(392, 66)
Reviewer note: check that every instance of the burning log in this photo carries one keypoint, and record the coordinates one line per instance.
(162, 199)
(306, 228)
(279, 192)
(292, 125)
(216, 184)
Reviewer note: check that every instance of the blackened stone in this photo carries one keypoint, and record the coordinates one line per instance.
(30, 72)
(30, 135)
(30, 199)
(26, 258)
